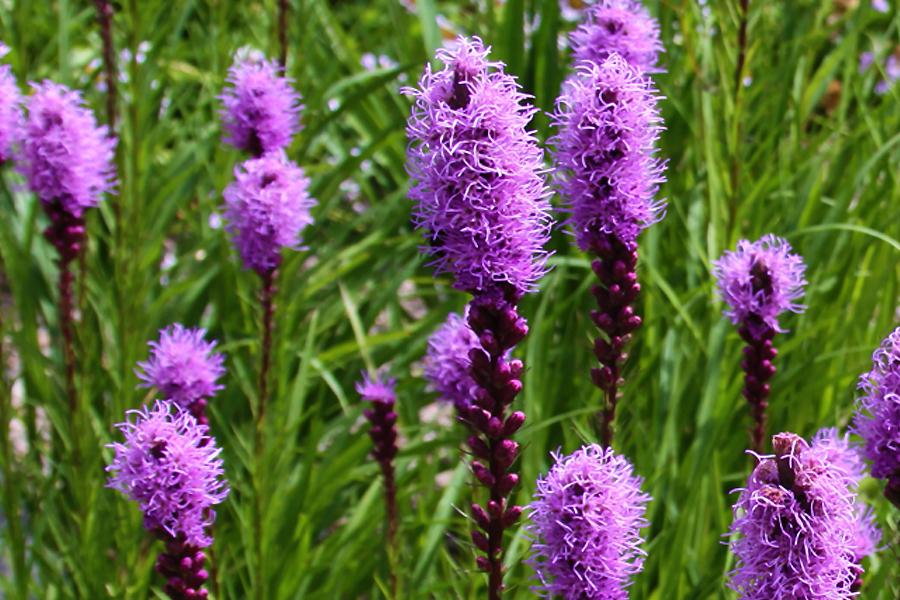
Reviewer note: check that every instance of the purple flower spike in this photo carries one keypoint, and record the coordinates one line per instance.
(798, 524)
(586, 520)
(66, 158)
(608, 125)
(877, 418)
(760, 281)
(267, 208)
(622, 27)
(447, 362)
(261, 111)
(184, 369)
(10, 110)
(477, 173)
(171, 467)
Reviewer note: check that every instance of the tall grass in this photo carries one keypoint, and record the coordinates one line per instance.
(813, 149)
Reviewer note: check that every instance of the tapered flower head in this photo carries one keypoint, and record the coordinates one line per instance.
(267, 208)
(260, 111)
(877, 419)
(171, 467)
(377, 390)
(760, 280)
(797, 522)
(10, 110)
(182, 365)
(64, 155)
(608, 124)
(477, 173)
(586, 520)
(623, 27)
(447, 361)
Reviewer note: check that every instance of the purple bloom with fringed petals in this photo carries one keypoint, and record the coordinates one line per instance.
(608, 124)
(171, 467)
(622, 27)
(267, 208)
(64, 155)
(477, 173)
(261, 111)
(797, 514)
(10, 110)
(377, 390)
(761, 279)
(877, 418)
(586, 520)
(182, 365)
(447, 361)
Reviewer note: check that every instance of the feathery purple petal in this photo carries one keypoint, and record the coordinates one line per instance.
(622, 27)
(447, 361)
(877, 418)
(10, 110)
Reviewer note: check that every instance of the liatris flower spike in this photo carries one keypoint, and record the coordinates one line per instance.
(622, 27)
(380, 392)
(447, 362)
(481, 199)
(797, 523)
(68, 163)
(877, 418)
(10, 110)
(171, 467)
(586, 520)
(183, 367)
(759, 282)
(261, 111)
(608, 124)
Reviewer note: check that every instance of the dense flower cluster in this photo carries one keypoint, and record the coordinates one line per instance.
(182, 366)
(586, 520)
(761, 279)
(877, 419)
(622, 27)
(477, 173)
(65, 156)
(171, 467)
(608, 124)
(261, 111)
(10, 110)
(267, 208)
(447, 361)
(798, 511)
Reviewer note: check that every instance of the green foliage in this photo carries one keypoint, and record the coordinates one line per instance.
(806, 151)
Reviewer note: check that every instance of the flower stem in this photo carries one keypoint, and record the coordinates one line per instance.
(758, 369)
(738, 77)
(493, 318)
(282, 31)
(616, 268)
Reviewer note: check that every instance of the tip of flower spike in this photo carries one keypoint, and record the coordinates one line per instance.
(760, 281)
(377, 389)
(622, 27)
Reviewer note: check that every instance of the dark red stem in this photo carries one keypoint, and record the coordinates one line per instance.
(104, 19)
(493, 318)
(266, 297)
(738, 72)
(758, 369)
(616, 268)
(384, 436)
(282, 31)
(182, 565)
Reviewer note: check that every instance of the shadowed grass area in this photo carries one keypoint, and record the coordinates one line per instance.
(815, 154)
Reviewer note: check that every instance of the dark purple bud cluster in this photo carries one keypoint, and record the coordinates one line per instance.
(616, 268)
(758, 370)
(493, 318)
(182, 565)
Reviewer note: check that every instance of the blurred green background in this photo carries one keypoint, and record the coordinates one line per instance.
(805, 150)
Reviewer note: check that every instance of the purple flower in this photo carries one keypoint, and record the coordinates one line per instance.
(261, 111)
(586, 520)
(182, 366)
(622, 27)
(608, 124)
(797, 520)
(266, 209)
(477, 173)
(170, 467)
(865, 61)
(761, 279)
(877, 418)
(377, 390)
(10, 110)
(881, 5)
(64, 155)
(447, 361)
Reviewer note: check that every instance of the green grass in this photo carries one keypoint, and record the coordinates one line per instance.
(820, 172)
